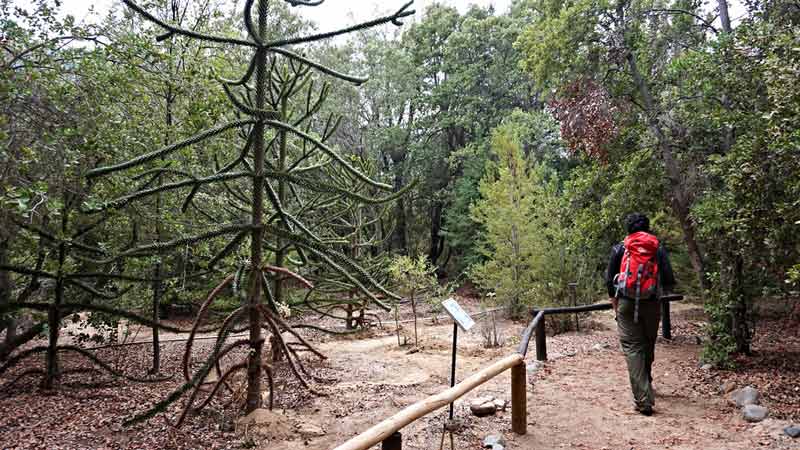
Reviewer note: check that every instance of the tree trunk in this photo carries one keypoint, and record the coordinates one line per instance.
(740, 322)
(437, 240)
(723, 16)
(280, 255)
(253, 400)
(397, 323)
(414, 312)
(54, 317)
(158, 291)
(156, 303)
(398, 239)
(679, 197)
(9, 324)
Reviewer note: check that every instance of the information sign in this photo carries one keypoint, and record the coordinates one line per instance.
(458, 314)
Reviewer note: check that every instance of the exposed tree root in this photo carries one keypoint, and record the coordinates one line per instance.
(199, 319)
(106, 367)
(295, 362)
(222, 381)
(14, 360)
(24, 374)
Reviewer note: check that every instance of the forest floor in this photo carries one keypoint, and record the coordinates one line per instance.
(578, 399)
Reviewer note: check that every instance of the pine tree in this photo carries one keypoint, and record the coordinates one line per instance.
(518, 211)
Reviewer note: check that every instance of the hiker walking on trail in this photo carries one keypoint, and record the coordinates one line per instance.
(638, 271)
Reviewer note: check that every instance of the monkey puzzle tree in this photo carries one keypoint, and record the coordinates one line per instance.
(263, 103)
(360, 224)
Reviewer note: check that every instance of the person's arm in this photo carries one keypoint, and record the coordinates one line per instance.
(666, 275)
(613, 268)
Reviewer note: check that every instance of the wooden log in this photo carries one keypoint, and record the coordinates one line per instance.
(519, 399)
(541, 341)
(383, 430)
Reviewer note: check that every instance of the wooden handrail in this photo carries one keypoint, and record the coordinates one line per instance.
(594, 307)
(526, 335)
(383, 430)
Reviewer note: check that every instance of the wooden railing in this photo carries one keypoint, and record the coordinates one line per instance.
(386, 432)
(541, 340)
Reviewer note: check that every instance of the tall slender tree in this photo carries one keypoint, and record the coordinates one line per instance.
(262, 107)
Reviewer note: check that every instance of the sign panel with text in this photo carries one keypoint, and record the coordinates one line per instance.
(458, 314)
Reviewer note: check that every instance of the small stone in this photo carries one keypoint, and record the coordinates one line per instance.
(482, 407)
(745, 396)
(570, 353)
(500, 404)
(754, 413)
(227, 425)
(211, 378)
(706, 367)
(494, 441)
(310, 430)
(792, 431)
(535, 367)
(600, 347)
(727, 387)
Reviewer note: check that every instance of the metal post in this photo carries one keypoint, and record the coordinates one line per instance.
(519, 399)
(453, 368)
(666, 322)
(393, 442)
(541, 341)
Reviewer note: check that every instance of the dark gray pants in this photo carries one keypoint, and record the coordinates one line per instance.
(638, 344)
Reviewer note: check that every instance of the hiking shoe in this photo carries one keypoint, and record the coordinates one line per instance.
(645, 410)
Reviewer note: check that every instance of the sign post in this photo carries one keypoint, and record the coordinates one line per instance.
(460, 320)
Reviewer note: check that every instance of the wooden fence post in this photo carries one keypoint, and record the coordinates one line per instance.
(393, 442)
(519, 399)
(666, 322)
(541, 341)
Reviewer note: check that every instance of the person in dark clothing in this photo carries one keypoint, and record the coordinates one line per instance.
(638, 318)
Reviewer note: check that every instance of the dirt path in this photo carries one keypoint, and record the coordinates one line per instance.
(579, 399)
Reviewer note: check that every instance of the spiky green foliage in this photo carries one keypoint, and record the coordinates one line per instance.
(298, 186)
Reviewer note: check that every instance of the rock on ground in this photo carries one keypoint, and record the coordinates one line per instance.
(534, 367)
(746, 396)
(754, 413)
(727, 387)
(494, 441)
(310, 430)
(483, 406)
(793, 431)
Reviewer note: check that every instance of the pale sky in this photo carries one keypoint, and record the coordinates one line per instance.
(330, 15)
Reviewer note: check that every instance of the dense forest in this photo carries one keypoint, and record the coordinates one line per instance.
(227, 159)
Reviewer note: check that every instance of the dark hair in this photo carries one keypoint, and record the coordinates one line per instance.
(637, 222)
